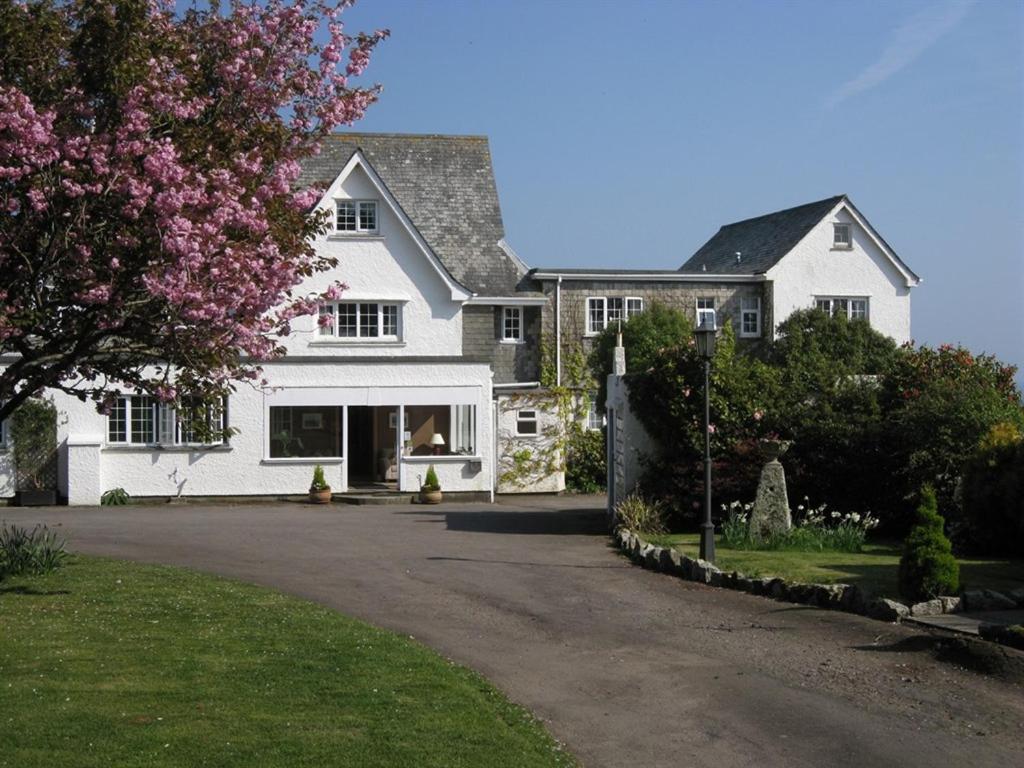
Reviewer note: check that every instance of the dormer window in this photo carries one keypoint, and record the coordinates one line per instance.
(356, 216)
(841, 236)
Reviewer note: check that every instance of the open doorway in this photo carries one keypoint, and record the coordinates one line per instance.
(372, 439)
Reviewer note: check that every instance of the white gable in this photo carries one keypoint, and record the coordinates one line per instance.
(868, 269)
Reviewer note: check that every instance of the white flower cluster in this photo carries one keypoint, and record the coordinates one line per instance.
(807, 515)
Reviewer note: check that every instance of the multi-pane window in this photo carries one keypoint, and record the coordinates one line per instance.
(852, 308)
(750, 316)
(706, 311)
(595, 421)
(360, 320)
(841, 236)
(511, 323)
(143, 420)
(526, 422)
(356, 216)
(603, 311)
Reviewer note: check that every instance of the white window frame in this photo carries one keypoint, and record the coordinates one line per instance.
(704, 311)
(756, 311)
(167, 427)
(330, 331)
(849, 305)
(523, 418)
(359, 206)
(515, 313)
(595, 420)
(837, 244)
(631, 307)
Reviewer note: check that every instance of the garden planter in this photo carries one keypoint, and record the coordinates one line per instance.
(36, 498)
(773, 449)
(430, 497)
(320, 497)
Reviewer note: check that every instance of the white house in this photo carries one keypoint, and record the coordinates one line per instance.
(402, 376)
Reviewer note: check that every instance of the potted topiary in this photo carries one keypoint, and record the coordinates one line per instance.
(430, 491)
(319, 490)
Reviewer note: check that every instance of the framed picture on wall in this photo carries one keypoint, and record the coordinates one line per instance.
(312, 421)
(393, 420)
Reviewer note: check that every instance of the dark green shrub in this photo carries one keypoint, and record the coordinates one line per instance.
(927, 567)
(431, 483)
(34, 434)
(115, 497)
(24, 551)
(991, 518)
(585, 460)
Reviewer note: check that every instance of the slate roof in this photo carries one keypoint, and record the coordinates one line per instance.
(762, 240)
(445, 185)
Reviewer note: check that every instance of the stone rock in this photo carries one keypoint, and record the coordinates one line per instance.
(887, 610)
(951, 604)
(987, 600)
(670, 560)
(702, 571)
(652, 557)
(771, 505)
(635, 548)
(1017, 595)
(800, 593)
(761, 586)
(777, 588)
(927, 608)
(717, 578)
(687, 567)
(853, 599)
(743, 584)
(829, 595)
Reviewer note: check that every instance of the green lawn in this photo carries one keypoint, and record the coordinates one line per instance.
(874, 569)
(108, 663)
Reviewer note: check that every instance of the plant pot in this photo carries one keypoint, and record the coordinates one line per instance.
(320, 497)
(430, 497)
(773, 449)
(36, 498)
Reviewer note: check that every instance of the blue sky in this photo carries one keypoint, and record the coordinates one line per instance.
(625, 134)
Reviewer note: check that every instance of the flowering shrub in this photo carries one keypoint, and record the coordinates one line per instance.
(814, 529)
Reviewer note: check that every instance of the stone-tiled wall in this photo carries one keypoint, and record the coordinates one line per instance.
(481, 333)
(683, 296)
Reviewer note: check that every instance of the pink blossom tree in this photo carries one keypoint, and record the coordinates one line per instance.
(152, 232)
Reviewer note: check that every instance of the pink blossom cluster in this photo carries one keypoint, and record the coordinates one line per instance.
(160, 219)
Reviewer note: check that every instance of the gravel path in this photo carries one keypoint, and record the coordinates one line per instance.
(626, 666)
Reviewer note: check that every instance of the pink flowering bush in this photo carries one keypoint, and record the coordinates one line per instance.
(154, 231)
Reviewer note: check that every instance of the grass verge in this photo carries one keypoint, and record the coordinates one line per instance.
(873, 569)
(107, 663)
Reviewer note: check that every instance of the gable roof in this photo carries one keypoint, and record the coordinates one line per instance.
(445, 186)
(762, 241)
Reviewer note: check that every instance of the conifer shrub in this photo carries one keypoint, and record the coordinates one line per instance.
(431, 483)
(927, 567)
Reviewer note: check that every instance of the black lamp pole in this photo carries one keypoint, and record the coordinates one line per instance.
(705, 339)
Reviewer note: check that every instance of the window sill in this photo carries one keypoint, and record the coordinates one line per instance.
(512, 342)
(750, 335)
(529, 435)
(139, 448)
(340, 236)
(447, 458)
(327, 460)
(842, 247)
(356, 343)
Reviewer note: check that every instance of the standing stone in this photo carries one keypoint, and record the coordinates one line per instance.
(771, 507)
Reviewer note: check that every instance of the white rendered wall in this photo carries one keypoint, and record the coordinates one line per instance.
(814, 268)
(543, 465)
(244, 467)
(389, 267)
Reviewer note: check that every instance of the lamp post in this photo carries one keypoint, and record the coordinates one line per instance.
(705, 339)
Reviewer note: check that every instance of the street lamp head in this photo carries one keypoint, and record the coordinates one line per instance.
(705, 337)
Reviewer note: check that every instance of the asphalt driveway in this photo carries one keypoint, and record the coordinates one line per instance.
(625, 666)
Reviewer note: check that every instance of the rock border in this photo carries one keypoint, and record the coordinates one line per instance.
(839, 597)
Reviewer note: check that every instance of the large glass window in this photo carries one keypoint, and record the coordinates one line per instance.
(603, 311)
(750, 316)
(356, 216)
(305, 431)
(706, 311)
(851, 308)
(464, 429)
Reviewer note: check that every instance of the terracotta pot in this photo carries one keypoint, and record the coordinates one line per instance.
(320, 497)
(430, 497)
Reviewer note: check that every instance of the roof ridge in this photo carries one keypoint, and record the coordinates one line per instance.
(834, 199)
(393, 135)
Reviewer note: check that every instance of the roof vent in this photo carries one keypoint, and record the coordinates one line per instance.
(703, 267)
(739, 256)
